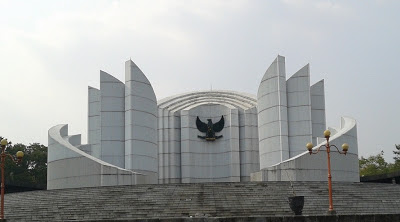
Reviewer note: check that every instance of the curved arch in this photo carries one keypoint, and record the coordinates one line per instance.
(180, 101)
(205, 102)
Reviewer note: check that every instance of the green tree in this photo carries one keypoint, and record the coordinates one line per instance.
(396, 152)
(373, 165)
(32, 170)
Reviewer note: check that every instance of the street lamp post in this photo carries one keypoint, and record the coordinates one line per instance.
(3, 155)
(345, 148)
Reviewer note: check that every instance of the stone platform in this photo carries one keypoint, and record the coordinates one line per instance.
(204, 202)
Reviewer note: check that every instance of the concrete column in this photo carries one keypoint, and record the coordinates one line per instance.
(234, 140)
(249, 158)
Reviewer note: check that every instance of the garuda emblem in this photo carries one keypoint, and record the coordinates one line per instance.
(210, 129)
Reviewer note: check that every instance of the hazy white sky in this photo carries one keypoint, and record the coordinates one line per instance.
(50, 51)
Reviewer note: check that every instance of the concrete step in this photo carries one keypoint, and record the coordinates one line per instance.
(199, 200)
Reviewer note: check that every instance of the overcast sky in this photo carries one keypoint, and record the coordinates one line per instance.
(50, 51)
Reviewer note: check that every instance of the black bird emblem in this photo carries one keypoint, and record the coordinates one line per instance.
(210, 129)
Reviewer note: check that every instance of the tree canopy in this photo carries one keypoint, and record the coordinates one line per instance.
(373, 165)
(32, 170)
(396, 157)
(376, 164)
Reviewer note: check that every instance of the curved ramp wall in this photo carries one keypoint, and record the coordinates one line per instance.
(69, 167)
(306, 167)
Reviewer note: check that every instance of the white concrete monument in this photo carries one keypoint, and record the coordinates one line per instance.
(204, 136)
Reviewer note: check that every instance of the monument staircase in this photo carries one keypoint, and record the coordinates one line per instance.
(202, 200)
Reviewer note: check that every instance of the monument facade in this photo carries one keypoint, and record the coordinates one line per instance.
(203, 136)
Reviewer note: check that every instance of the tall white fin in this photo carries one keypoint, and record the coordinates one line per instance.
(299, 110)
(318, 110)
(94, 130)
(141, 150)
(272, 115)
(112, 113)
